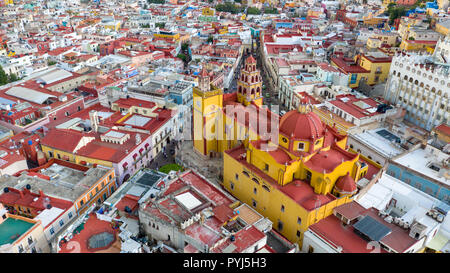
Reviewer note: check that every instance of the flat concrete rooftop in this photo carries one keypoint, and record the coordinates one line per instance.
(65, 183)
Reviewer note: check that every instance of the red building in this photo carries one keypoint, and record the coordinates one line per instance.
(110, 47)
(340, 15)
(24, 202)
(406, 2)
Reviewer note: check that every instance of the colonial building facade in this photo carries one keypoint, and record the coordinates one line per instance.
(421, 85)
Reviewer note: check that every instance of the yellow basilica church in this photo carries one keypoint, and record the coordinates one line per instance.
(294, 170)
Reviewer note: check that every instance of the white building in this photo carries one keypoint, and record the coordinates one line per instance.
(421, 85)
(378, 145)
(391, 217)
(410, 204)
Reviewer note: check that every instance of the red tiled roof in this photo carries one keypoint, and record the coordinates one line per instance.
(277, 154)
(420, 42)
(348, 67)
(93, 226)
(203, 234)
(303, 194)
(223, 213)
(350, 210)
(129, 201)
(243, 239)
(207, 189)
(328, 160)
(35, 201)
(351, 108)
(332, 230)
(443, 128)
(54, 136)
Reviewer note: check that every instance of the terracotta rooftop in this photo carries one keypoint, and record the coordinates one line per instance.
(332, 230)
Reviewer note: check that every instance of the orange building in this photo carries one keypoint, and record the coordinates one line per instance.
(57, 183)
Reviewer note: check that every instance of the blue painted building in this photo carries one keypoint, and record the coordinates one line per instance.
(432, 5)
(424, 171)
(181, 93)
(284, 25)
(255, 32)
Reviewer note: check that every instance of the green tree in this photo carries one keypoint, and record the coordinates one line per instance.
(156, 1)
(395, 12)
(210, 39)
(254, 11)
(229, 7)
(3, 76)
(271, 11)
(184, 46)
(13, 77)
(50, 63)
(182, 57)
(170, 167)
(160, 25)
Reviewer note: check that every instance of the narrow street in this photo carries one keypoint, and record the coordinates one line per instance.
(167, 156)
(270, 94)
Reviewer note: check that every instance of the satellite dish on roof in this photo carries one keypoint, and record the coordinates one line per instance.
(49, 206)
(5, 190)
(28, 186)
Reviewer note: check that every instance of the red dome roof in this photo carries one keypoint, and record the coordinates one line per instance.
(250, 60)
(301, 125)
(346, 184)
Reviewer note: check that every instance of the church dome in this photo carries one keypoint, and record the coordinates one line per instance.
(346, 184)
(300, 124)
(250, 60)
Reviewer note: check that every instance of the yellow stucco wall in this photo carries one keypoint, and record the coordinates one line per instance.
(269, 201)
(373, 66)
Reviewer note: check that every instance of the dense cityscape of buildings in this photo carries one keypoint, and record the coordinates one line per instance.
(252, 126)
